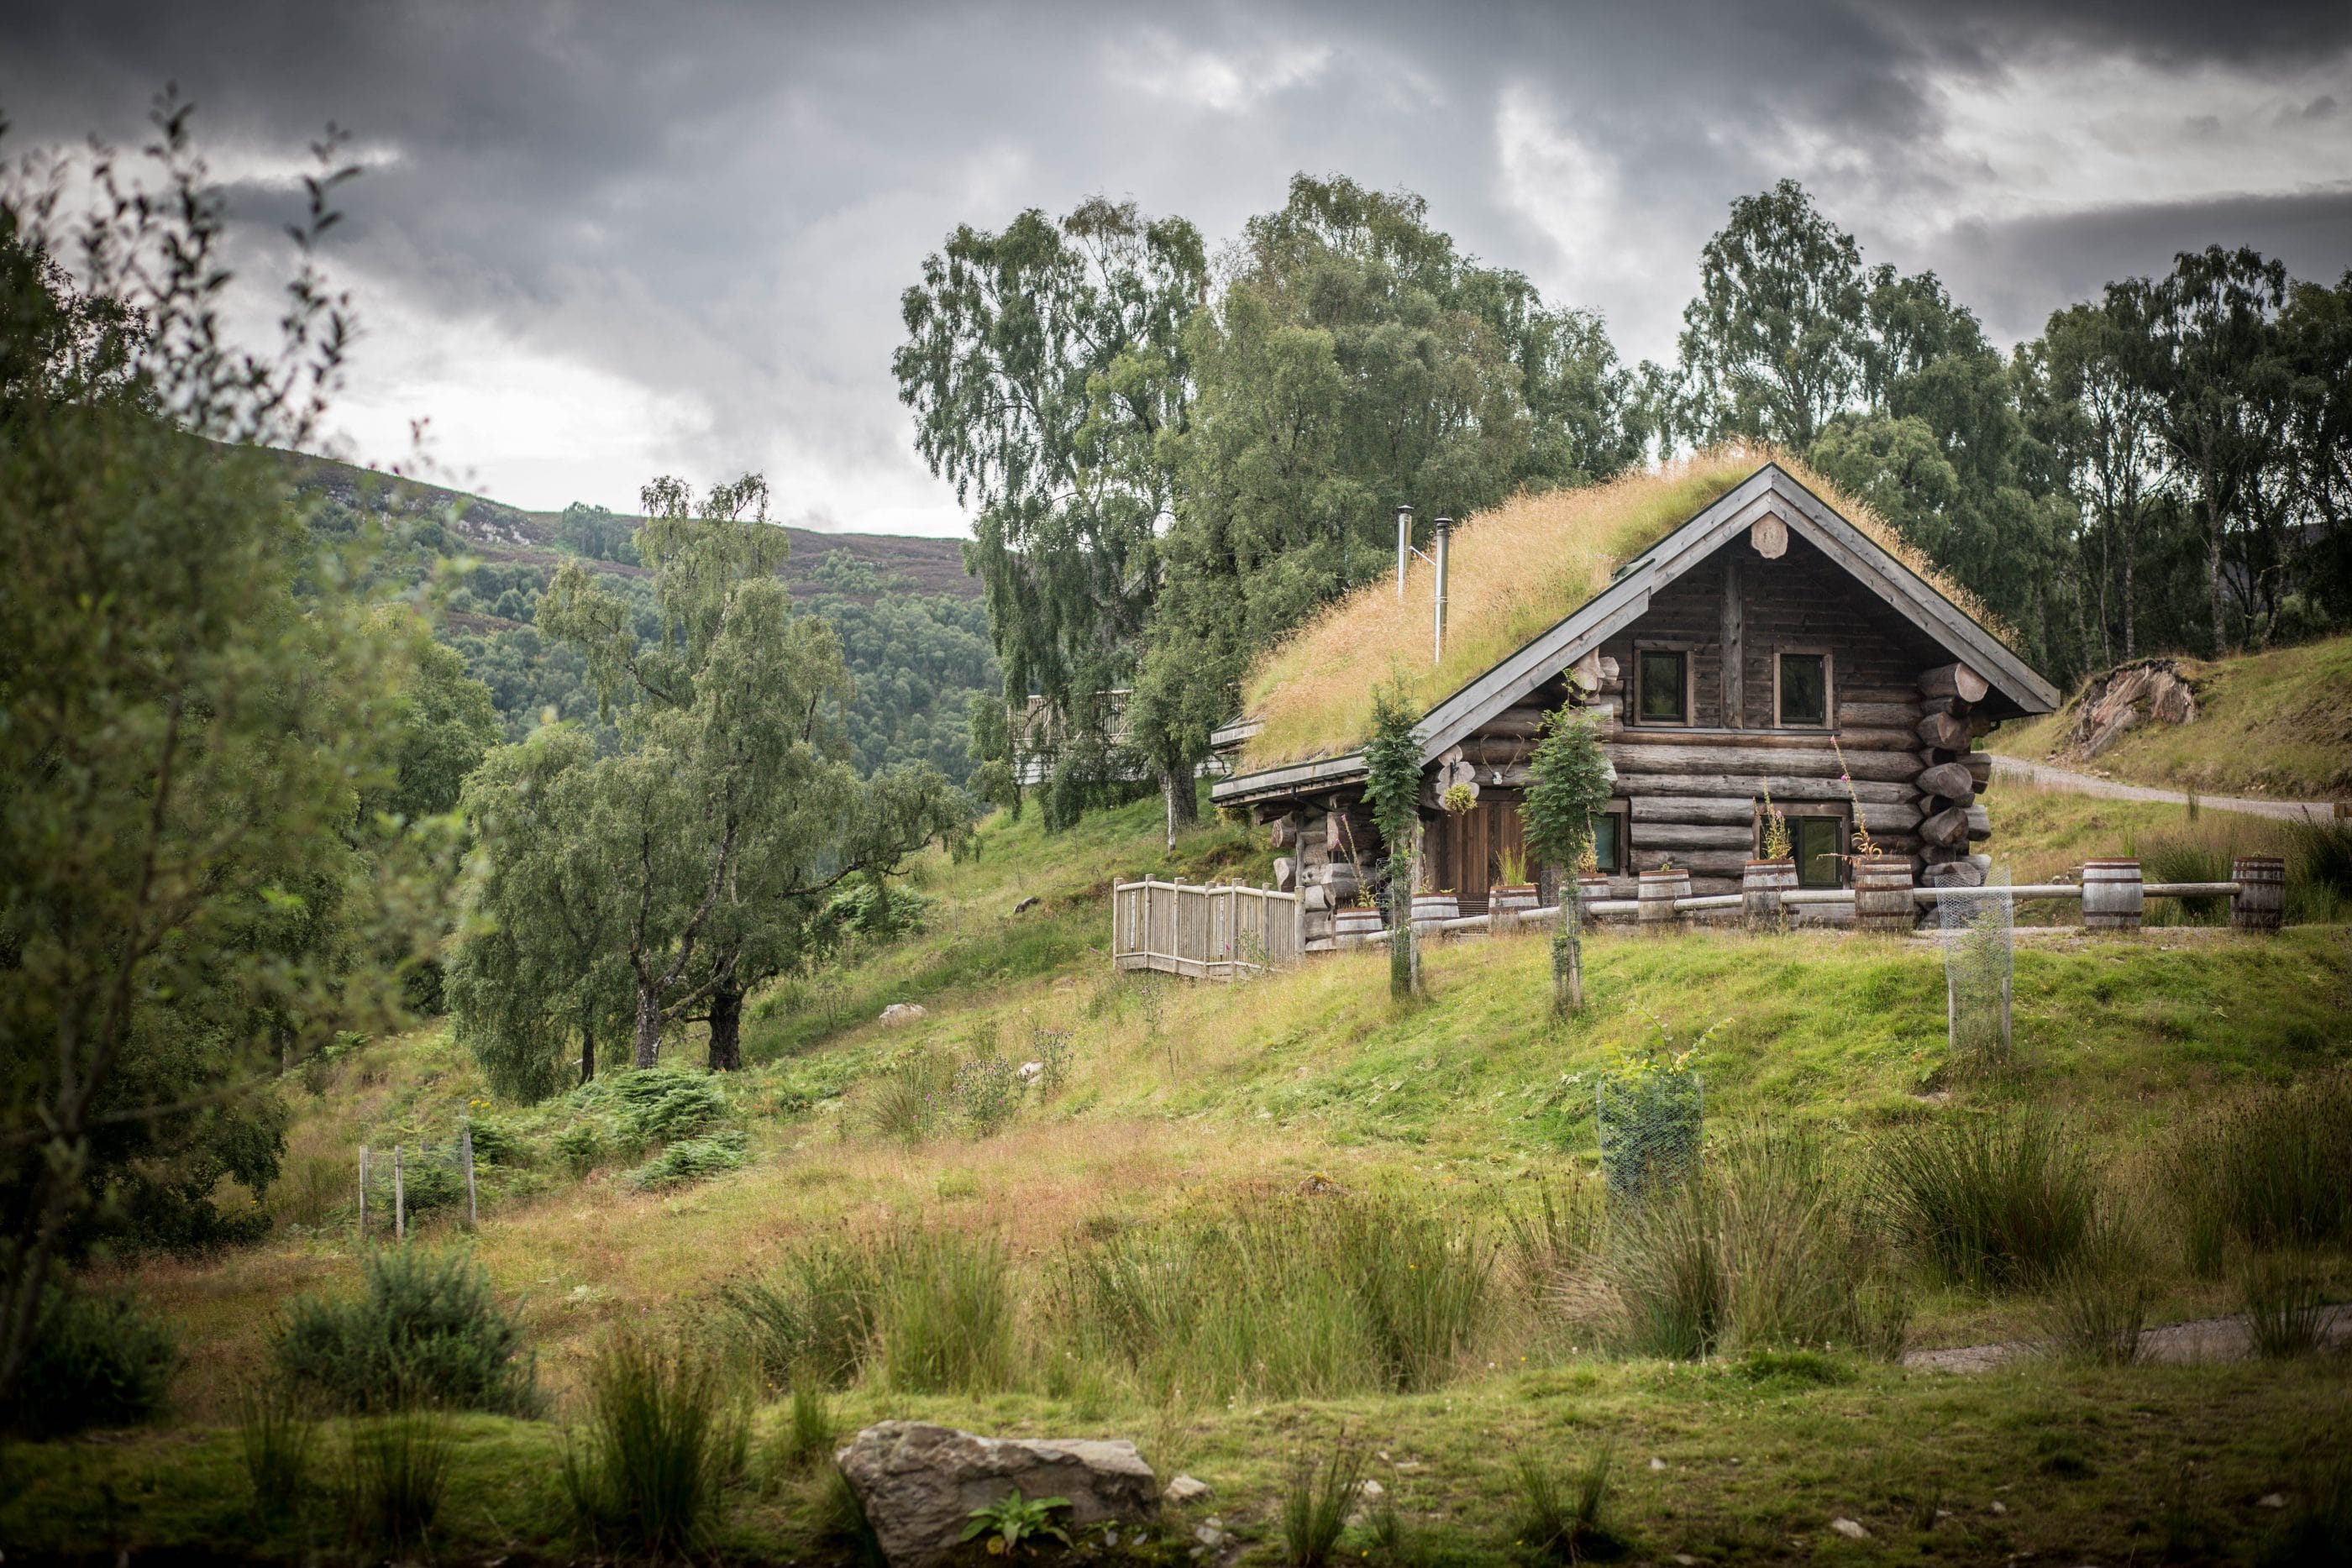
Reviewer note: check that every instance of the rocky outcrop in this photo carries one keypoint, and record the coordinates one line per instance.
(919, 1483)
(2146, 691)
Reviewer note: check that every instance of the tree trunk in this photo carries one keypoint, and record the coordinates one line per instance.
(1568, 950)
(727, 1030)
(2213, 584)
(1183, 804)
(2131, 548)
(649, 1026)
(1400, 966)
(587, 1051)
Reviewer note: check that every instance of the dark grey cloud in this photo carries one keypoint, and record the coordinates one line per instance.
(598, 240)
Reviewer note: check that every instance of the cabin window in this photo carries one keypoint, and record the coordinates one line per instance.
(1803, 683)
(1819, 844)
(1609, 841)
(1663, 676)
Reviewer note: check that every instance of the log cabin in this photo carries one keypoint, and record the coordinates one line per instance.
(1768, 643)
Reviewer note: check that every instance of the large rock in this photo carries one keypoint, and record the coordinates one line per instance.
(919, 1483)
(2127, 696)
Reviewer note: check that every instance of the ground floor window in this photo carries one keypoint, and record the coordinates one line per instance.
(1819, 844)
(1609, 841)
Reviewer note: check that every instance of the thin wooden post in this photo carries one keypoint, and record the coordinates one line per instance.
(399, 1200)
(466, 1137)
(362, 1192)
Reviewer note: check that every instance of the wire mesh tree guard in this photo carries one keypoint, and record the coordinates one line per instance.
(415, 1178)
(1980, 969)
(1651, 1124)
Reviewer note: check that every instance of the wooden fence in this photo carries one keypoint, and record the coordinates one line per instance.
(1208, 932)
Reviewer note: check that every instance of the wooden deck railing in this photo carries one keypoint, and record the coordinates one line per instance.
(1206, 931)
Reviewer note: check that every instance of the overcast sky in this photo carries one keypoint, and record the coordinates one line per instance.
(596, 243)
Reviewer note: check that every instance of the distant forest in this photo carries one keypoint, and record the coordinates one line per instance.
(914, 635)
(1173, 457)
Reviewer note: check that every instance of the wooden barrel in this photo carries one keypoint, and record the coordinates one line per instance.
(2261, 901)
(2112, 899)
(1429, 908)
(1659, 891)
(1592, 890)
(1359, 921)
(1761, 883)
(1505, 901)
(1882, 894)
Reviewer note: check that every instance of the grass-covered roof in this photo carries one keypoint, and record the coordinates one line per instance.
(1515, 570)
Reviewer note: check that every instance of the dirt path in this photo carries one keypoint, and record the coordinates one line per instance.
(2203, 1339)
(2051, 778)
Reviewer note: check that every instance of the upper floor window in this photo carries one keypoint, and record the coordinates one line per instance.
(1662, 678)
(1802, 686)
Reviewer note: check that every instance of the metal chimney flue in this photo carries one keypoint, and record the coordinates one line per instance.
(1445, 539)
(1405, 547)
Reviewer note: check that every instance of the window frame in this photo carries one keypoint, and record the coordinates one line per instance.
(1684, 651)
(1823, 811)
(1621, 812)
(1827, 720)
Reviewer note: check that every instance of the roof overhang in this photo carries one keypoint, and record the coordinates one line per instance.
(1769, 490)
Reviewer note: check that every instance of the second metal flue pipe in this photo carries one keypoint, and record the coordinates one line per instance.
(1405, 552)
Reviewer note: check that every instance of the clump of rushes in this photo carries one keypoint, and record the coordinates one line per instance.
(275, 1437)
(2285, 1303)
(2098, 1302)
(1317, 1499)
(1995, 1202)
(396, 1472)
(2270, 1170)
(665, 1437)
(1558, 1516)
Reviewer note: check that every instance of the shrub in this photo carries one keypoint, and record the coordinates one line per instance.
(582, 1146)
(274, 1439)
(987, 1091)
(425, 1329)
(665, 1437)
(2271, 1169)
(1558, 1516)
(678, 1109)
(497, 1143)
(1317, 1499)
(1054, 1048)
(691, 1160)
(95, 1361)
(396, 1472)
(1995, 1202)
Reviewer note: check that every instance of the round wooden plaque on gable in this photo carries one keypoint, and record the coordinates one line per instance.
(1771, 536)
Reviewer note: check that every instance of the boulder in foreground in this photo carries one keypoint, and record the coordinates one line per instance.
(919, 1483)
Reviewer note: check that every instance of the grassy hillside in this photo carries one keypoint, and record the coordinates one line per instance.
(2277, 724)
(1191, 1104)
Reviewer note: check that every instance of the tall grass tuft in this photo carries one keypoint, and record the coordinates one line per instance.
(2096, 1308)
(275, 1438)
(814, 1315)
(396, 1473)
(945, 1319)
(1766, 1248)
(1997, 1202)
(1317, 1499)
(2285, 1305)
(1285, 1297)
(1558, 1516)
(666, 1436)
(809, 1429)
(2271, 1169)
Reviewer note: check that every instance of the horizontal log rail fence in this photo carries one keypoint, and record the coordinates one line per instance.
(1215, 931)
(1207, 931)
